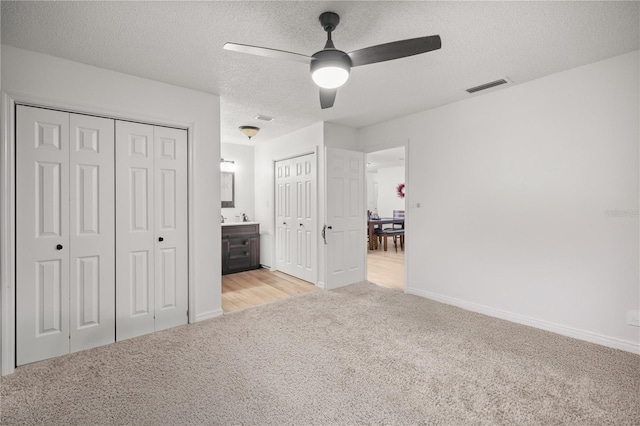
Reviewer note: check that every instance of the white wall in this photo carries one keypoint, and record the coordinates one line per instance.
(50, 81)
(243, 158)
(388, 179)
(514, 187)
(339, 136)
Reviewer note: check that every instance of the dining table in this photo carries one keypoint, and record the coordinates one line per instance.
(379, 222)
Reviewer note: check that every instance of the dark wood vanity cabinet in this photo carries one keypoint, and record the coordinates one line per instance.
(240, 248)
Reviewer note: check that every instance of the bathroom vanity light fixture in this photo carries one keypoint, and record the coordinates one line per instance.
(249, 131)
(227, 165)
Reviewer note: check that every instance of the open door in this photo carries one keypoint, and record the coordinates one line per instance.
(345, 218)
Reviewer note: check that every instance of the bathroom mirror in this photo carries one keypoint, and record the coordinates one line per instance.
(227, 189)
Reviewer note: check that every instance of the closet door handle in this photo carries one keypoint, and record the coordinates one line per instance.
(59, 247)
(160, 239)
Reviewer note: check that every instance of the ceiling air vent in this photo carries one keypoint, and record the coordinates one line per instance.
(487, 85)
(264, 117)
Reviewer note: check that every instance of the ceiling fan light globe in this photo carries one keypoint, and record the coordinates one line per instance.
(330, 68)
(330, 77)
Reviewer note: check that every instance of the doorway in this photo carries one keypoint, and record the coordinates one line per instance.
(385, 179)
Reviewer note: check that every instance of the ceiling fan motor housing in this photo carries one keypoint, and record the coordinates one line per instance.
(330, 59)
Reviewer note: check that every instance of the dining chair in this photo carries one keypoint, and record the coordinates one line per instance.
(396, 234)
(397, 214)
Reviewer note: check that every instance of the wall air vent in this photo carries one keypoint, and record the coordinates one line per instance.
(487, 85)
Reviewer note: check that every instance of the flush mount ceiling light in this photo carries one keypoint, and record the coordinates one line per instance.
(249, 131)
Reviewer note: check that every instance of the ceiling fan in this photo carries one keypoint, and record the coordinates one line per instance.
(330, 67)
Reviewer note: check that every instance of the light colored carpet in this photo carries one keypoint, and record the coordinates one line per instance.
(359, 355)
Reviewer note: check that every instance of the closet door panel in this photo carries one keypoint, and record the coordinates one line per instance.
(135, 245)
(171, 255)
(42, 245)
(285, 207)
(305, 217)
(92, 231)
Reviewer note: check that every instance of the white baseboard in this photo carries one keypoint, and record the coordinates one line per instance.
(321, 285)
(208, 315)
(588, 336)
(329, 287)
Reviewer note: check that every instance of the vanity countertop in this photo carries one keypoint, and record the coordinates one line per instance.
(239, 223)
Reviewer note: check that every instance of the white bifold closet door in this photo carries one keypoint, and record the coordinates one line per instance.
(151, 228)
(64, 238)
(296, 217)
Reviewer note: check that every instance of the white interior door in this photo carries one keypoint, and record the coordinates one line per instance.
(92, 232)
(346, 218)
(170, 175)
(305, 218)
(285, 200)
(42, 246)
(135, 229)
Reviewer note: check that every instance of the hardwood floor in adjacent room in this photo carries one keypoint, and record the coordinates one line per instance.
(252, 288)
(386, 267)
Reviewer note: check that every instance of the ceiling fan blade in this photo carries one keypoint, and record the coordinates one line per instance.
(267, 52)
(327, 97)
(395, 50)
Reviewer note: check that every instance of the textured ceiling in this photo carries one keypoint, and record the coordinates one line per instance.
(181, 43)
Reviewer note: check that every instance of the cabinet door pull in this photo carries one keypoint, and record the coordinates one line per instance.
(160, 239)
(59, 247)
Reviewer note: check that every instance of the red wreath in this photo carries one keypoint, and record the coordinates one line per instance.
(400, 190)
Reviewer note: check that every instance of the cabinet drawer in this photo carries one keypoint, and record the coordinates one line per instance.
(237, 230)
(240, 242)
(241, 252)
(237, 265)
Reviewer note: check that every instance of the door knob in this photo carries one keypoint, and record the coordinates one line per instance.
(59, 247)
(160, 239)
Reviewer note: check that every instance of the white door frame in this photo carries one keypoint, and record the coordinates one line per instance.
(8, 208)
(407, 210)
